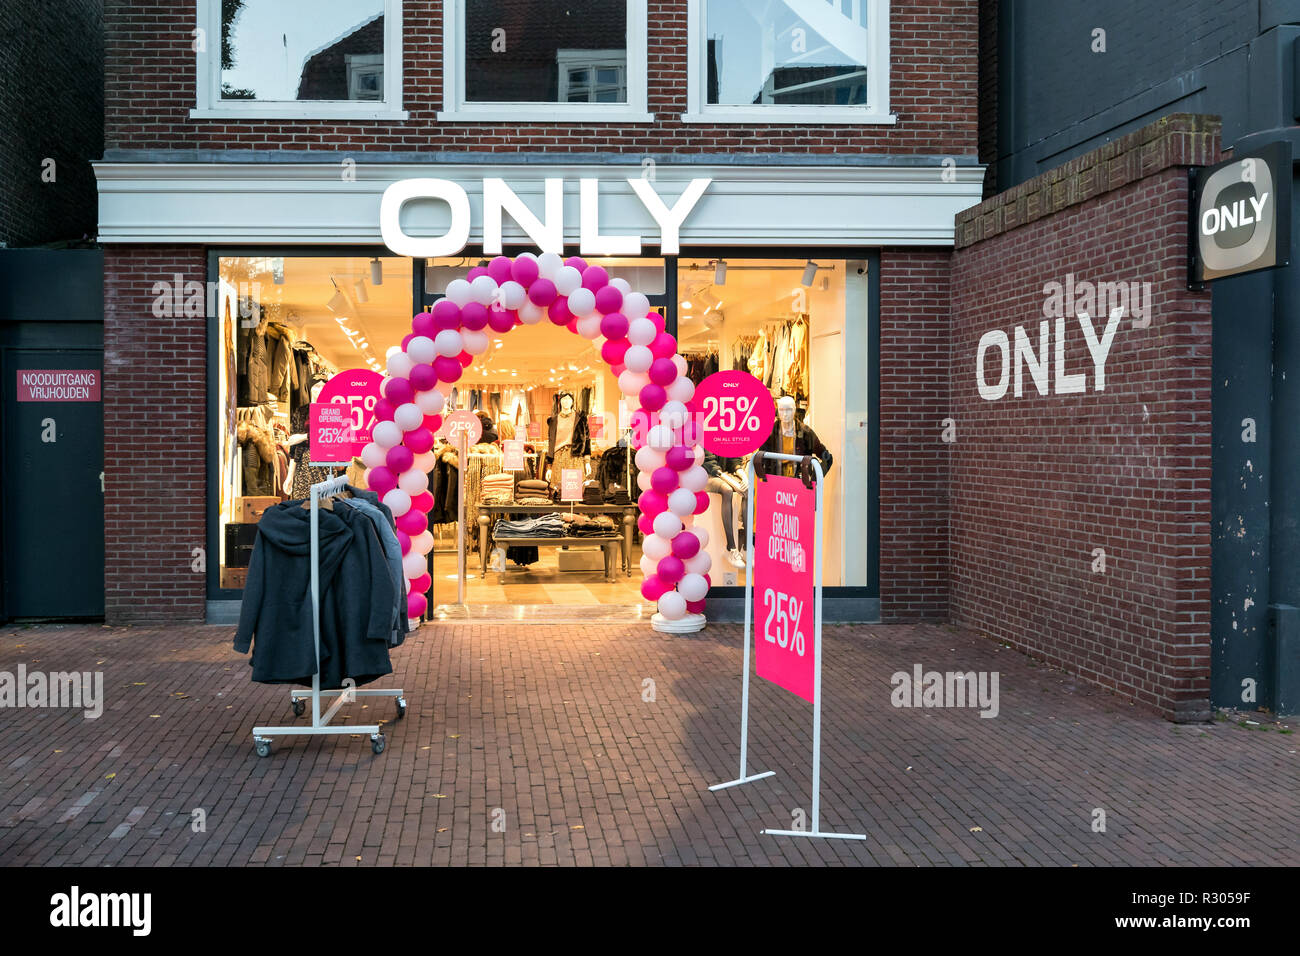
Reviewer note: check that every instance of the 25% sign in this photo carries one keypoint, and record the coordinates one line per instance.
(787, 612)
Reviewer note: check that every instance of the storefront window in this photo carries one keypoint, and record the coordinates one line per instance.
(801, 328)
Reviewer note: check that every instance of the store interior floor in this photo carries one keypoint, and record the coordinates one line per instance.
(539, 583)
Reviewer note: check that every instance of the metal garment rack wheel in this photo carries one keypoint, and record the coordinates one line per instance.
(262, 736)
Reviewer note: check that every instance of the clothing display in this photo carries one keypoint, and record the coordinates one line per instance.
(779, 358)
(499, 487)
(700, 364)
(443, 483)
(587, 526)
(258, 453)
(357, 598)
(804, 441)
(484, 459)
(564, 459)
(539, 526)
(368, 503)
(570, 431)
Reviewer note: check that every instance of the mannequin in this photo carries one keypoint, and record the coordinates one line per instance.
(727, 478)
(569, 440)
(795, 438)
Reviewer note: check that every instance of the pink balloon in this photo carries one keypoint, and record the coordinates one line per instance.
(608, 299)
(542, 292)
(465, 359)
(381, 480)
(421, 584)
(671, 569)
(416, 604)
(664, 346)
(499, 269)
(577, 262)
(446, 315)
(664, 480)
(686, 546)
(679, 458)
(401, 458)
(448, 369)
(406, 340)
(524, 271)
(618, 369)
(384, 410)
(424, 502)
(398, 391)
(594, 277)
(653, 397)
(558, 312)
(423, 324)
(701, 503)
(652, 589)
(413, 523)
(652, 503)
(420, 440)
(614, 325)
(475, 273)
(614, 350)
(474, 316)
(657, 319)
(695, 607)
(646, 524)
(404, 540)
(423, 378)
(433, 423)
(500, 320)
(662, 371)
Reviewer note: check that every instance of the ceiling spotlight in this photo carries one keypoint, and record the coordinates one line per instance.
(809, 273)
(277, 271)
(376, 271)
(338, 302)
(720, 273)
(359, 289)
(686, 303)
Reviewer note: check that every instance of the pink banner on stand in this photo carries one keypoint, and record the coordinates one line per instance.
(570, 484)
(785, 539)
(461, 421)
(513, 451)
(355, 391)
(332, 432)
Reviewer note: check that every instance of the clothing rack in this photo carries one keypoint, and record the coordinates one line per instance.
(346, 695)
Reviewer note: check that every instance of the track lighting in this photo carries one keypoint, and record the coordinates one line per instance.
(376, 271)
(720, 273)
(359, 289)
(338, 302)
(809, 273)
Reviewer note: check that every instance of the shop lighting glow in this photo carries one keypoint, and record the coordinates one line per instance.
(686, 303)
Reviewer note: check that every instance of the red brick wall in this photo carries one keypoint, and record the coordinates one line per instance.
(149, 89)
(1039, 482)
(915, 346)
(155, 430)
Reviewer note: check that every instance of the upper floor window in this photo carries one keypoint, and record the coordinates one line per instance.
(326, 59)
(788, 61)
(574, 60)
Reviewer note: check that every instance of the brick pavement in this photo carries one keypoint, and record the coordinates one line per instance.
(548, 724)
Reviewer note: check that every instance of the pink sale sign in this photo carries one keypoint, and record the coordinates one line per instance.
(785, 539)
(735, 414)
(355, 392)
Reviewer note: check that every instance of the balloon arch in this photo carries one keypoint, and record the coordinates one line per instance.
(630, 337)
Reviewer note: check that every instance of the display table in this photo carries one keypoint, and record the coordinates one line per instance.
(488, 510)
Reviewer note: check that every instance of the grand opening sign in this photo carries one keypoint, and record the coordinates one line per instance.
(784, 587)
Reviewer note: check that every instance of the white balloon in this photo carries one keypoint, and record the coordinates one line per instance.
(400, 365)
(430, 402)
(699, 563)
(681, 389)
(694, 479)
(648, 566)
(699, 454)
(661, 438)
(641, 331)
(643, 480)
(673, 414)
(692, 587)
(373, 455)
(408, 417)
(426, 461)
(681, 365)
(549, 264)
(681, 502)
(638, 358)
(655, 547)
(414, 564)
(387, 434)
(423, 544)
(621, 284)
(702, 533)
(398, 501)
(513, 295)
(530, 313)
(635, 305)
(421, 349)
(589, 326)
(413, 481)
(392, 350)
(582, 302)
(647, 459)
(567, 280)
(672, 606)
(630, 383)
(483, 290)
(476, 341)
(667, 524)
(459, 292)
(449, 343)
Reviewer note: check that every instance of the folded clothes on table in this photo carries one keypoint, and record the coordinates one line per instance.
(541, 526)
(499, 487)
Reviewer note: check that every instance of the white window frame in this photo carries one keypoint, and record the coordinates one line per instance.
(207, 79)
(456, 110)
(590, 60)
(874, 112)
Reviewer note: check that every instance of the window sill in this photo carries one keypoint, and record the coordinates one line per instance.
(763, 116)
(543, 113)
(293, 112)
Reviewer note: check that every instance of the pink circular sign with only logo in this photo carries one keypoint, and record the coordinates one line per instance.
(735, 413)
(461, 420)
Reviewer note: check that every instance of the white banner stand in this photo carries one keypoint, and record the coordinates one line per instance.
(816, 830)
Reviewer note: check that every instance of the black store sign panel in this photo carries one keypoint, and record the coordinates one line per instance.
(1241, 213)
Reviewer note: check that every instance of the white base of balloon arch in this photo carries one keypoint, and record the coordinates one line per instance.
(585, 301)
